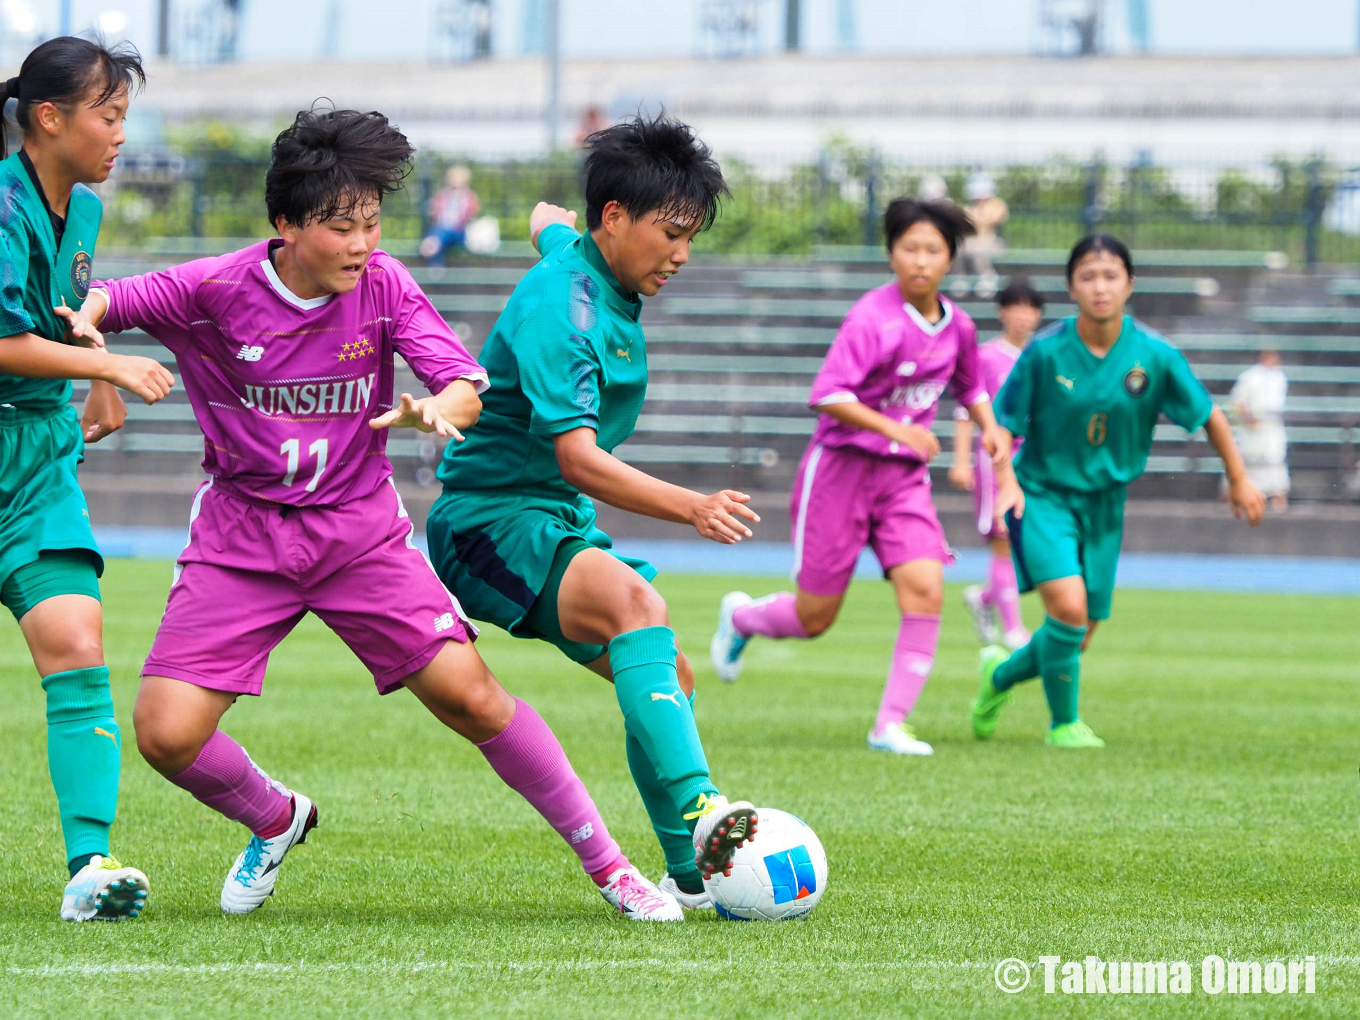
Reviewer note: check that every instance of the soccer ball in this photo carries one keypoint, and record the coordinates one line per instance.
(779, 875)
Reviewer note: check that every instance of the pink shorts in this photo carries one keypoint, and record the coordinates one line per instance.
(985, 493)
(250, 573)
(845, 499)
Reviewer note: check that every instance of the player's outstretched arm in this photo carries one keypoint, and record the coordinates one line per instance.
(36, 357)
(602, 476)
(1246, 499)
(455, 407)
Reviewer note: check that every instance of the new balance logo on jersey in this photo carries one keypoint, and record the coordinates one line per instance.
(583, 833)
(443, 623)
(248, 353)
(673, 698)
(906, 368)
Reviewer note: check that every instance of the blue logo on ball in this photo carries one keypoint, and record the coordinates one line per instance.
(791, 874)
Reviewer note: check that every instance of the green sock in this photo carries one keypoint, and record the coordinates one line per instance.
(1060, 658)
(83, 757)
(1022, 665)
(669, 827)
(657, 715)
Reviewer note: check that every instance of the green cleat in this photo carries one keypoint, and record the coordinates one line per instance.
(1074, 735)
(987, 705)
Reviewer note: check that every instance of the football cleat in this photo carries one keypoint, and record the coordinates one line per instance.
(987, 631)
(721, 828)
(251, 879)
(630, 893)
(690, 901)
(727, 645)
(1075, 735)
(104, 890)
(989, 701)
(899, 739)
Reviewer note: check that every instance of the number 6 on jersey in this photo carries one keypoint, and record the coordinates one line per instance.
(290, 448)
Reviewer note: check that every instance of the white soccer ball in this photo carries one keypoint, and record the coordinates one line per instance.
(779, 875)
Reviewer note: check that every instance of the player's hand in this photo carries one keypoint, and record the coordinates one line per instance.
(422, 415)
(1247, 500)
(1010, 498)
(145, 377)
(545, 215)
(961, 476)
(923, 441)
(997, 442)
(716, 516)
(104, 412)
(79, 327)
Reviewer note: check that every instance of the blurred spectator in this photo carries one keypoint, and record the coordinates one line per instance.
(932, 188)
(989, 212)
(591, 121)
(453, 207)
(1258, 398)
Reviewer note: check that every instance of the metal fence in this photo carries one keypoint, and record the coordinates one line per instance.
(1308, 209)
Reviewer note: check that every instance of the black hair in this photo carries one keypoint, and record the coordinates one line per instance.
(1020, 292)
(652, 164)
(328, 161)
(1096, 243)
(949, 219)
(66, 70)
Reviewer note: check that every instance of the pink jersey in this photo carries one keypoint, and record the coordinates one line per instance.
(996, 358)
(888, 357)
(284, 387)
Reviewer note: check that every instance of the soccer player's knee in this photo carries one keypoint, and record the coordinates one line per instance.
(926, 597)
(817, 621)
(640, 605)
(1070, 610)
(167, 747)
(76, 648)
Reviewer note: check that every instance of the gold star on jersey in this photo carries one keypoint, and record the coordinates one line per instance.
(356, 350)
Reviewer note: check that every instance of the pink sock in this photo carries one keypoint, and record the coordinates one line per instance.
(913, 657)
(224, 778)
(1003, 592)
(528, 758)
(773, 616)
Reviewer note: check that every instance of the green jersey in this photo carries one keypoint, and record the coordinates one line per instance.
(1087, 421)
(38, 273)
(566, 353)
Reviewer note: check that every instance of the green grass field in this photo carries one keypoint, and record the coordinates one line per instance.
(1220, 820)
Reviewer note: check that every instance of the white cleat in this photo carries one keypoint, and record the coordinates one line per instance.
(727, 645)
(987, 630)
(630, 893)
(899, 739)
(1016, 638)
(690, 901)
(251, 879)
(104, 890)
(722, 827)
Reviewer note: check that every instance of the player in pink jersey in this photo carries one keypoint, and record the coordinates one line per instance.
(1021, 308)
(865, 479)
(286, 351)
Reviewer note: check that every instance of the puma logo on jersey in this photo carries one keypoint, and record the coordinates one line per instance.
(621, 353)
(248, 353)
(1064, 381)
(100, 731)
(673, 698)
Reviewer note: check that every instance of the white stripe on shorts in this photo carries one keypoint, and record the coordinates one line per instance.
(800, 529)
(986, 483)
(194, 508)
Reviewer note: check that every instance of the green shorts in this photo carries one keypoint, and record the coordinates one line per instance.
(499, 553)
(1070, 534)
(68, 572)
(41, 506)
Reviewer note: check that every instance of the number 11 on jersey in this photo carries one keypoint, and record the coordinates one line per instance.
(290, 449)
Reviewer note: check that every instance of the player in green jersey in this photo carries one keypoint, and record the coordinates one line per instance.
(514, 533)
(72, 96)
(1086, 395)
